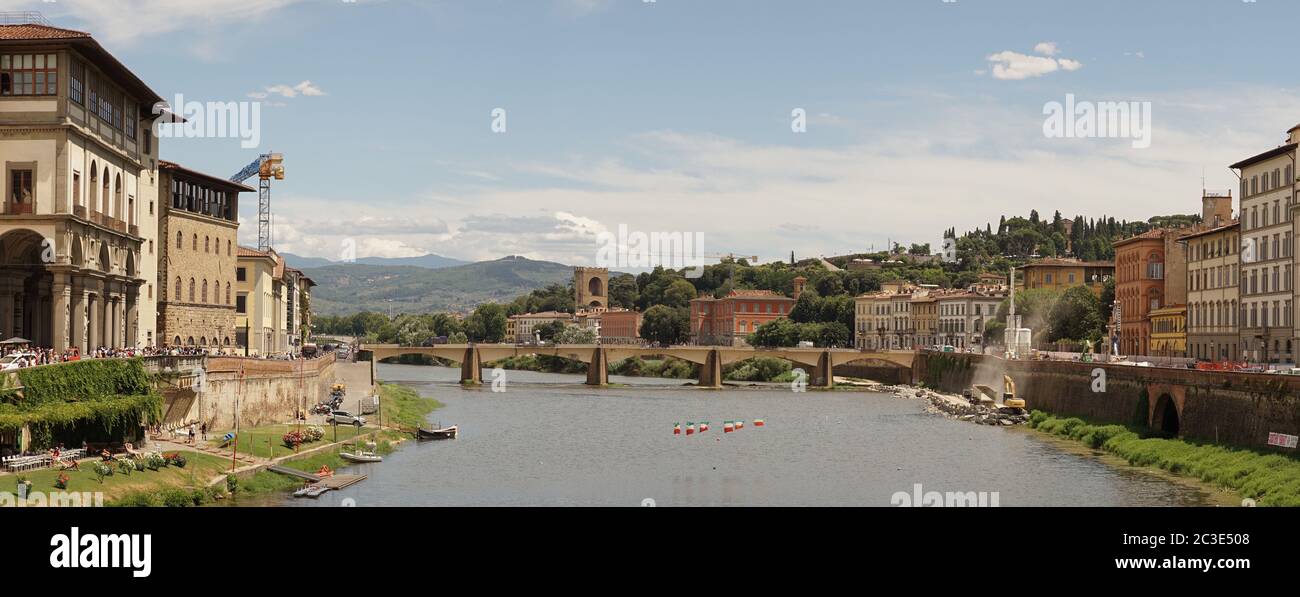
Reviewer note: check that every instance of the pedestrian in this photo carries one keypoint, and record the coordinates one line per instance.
(204, 430)
(191, 433)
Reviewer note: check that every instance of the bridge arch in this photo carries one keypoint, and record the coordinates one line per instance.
(1166, 416)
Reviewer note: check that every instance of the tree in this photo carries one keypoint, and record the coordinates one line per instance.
(548, 331)
(833, 335)
(487, 323)
(1076, 316)
(679, 294)
(665, 325)
(780, 333)
(572, 334)
(623, 292)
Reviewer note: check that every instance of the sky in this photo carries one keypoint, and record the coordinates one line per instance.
(679, 115)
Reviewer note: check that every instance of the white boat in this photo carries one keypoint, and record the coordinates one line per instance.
(361, 456)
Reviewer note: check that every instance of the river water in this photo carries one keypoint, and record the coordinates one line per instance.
(550, 441)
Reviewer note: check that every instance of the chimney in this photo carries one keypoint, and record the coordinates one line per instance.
(1293, 135)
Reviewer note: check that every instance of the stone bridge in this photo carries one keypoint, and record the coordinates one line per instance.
(819, 362)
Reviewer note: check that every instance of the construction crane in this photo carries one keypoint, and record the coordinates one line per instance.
(265, 167)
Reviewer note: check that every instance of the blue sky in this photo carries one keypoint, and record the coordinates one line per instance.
(675, 115)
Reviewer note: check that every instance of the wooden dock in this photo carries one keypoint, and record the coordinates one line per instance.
(342, 481)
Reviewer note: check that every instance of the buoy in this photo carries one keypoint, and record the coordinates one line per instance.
(728, 427)
(740, 425)
(758, 422)
(690, 429)
(704, 426)
(677, 429)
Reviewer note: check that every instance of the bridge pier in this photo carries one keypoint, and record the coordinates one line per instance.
(711, 371)
(471, 369)
(598, 369)
(824, 375)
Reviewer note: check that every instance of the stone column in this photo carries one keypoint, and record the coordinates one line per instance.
(62, 299)
(133, 338)
(94, 308)
(119, 321)
(77, 325)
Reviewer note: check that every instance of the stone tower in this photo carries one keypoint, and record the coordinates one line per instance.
(591, 287)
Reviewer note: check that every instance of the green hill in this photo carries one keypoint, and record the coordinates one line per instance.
(351, 288)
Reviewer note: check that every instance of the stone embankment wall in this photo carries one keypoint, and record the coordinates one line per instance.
(1230, 408)
(262, 391)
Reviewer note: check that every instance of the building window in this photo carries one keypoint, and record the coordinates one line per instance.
(29, 74)
(227, 293)
(205, 292)
(20, 191)
(207, 244)
(76, 89)
(178, 289)
(241, 274)
(191, 290)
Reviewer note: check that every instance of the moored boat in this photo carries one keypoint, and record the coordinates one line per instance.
(444, 433)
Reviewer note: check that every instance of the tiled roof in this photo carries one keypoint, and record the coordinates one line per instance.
(36, 32)
(247, 252)
(1050, 262)
(168, 165)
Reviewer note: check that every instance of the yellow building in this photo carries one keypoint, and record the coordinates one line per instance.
(1060, 274)
(1169, 331)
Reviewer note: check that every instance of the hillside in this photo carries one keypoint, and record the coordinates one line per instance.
(347, 289)
(426, 261)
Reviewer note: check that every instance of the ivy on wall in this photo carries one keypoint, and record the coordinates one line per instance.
(114, 396)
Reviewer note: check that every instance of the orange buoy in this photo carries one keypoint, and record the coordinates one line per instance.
(758, 422)
(677, 429)
(728, 427)
(690, 429)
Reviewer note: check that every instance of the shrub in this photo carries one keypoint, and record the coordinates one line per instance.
(155, 461)
(102, 469)
(125, 467)
(177, 461)
(232, 483)
(177, 497)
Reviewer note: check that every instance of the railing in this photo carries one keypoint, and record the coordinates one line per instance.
(174, 364)
(27, 17)
(16, 209)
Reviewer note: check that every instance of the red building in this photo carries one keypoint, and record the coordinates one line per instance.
(728, 320)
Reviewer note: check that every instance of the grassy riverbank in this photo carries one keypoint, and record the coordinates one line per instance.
(1270, 479)
(402, 407)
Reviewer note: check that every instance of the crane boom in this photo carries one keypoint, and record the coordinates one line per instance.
(265, 167)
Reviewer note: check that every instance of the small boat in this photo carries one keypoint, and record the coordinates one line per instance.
(444, 433)
(312, 491)
(361, 456)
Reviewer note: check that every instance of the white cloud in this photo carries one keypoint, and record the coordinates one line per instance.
(305, 88)
(1014, 66)
(1047, 48)
(125, 21)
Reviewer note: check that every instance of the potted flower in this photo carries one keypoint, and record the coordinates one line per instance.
(62, 481)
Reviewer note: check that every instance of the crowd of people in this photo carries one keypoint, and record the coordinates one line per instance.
(26, 356)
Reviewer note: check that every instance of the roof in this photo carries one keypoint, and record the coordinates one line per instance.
(542, 315)
(1272, 153)
(234, 186)
(747, 294)
(38, 34)
(1158, 233)
(247, 253)
(1064, 263)
(32, 31)
(1232, 224)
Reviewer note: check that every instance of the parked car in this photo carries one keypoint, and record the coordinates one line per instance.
(343, 417)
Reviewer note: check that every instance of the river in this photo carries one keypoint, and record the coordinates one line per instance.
(550, 441)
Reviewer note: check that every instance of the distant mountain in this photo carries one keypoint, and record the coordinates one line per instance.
(343, 289)
(425, 261)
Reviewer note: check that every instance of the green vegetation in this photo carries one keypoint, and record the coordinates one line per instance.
(268, 442)
(784, 333)
(1270, 479)
(99, 400)
(121, 488)
(403, 407)
(667, 368)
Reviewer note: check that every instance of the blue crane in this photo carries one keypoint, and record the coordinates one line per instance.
(265, 167)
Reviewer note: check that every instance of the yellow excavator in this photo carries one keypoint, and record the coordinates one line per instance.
(1009, 399)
